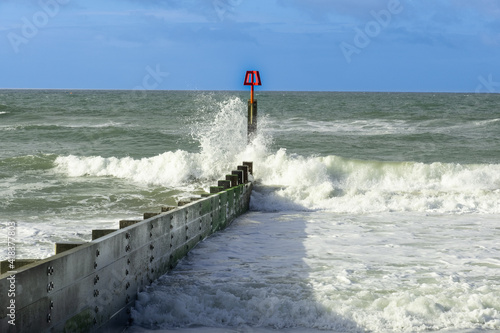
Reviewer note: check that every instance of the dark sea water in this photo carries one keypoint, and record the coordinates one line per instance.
(371, 211)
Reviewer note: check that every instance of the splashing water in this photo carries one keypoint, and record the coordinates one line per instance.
(221, 134)
(220, 130)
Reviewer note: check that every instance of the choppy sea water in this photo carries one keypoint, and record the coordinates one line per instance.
(371, 211)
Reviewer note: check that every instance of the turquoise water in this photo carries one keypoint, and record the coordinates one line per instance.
(371, 211)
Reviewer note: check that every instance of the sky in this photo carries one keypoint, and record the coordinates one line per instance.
(296, 45)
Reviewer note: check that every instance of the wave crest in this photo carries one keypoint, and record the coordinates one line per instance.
(343, 185)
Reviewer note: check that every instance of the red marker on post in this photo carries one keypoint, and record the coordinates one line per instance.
(252, 78)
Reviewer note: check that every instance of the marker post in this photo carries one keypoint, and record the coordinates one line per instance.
(252, 78)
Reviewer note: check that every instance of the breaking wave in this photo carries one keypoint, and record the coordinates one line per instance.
(292, 182)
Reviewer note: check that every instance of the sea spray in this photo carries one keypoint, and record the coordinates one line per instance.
(219, 127)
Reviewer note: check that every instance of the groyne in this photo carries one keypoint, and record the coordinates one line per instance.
(91, 287)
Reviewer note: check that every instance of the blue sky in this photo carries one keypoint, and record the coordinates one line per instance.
(326, 45)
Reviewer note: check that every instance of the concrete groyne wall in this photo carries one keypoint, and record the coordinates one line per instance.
(92, 286)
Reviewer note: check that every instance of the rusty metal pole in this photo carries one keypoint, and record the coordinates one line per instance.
(252, 119)
(252, 78)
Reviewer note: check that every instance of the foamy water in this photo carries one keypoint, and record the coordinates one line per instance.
(317, 271)
(342, 185)
(362, 220)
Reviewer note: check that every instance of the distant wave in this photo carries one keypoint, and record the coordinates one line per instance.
(487, 122)
(376, 126)
(56, 126)
(360, 127)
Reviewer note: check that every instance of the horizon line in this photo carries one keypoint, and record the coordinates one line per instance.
(259, 91)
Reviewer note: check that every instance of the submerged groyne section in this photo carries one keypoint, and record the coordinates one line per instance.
(91, 287)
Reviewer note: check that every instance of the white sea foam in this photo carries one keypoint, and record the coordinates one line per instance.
(342, 273)
(170, 168)
(407, 272)
(343, 185)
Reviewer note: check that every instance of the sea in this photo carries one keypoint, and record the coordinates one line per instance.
(371, 212)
